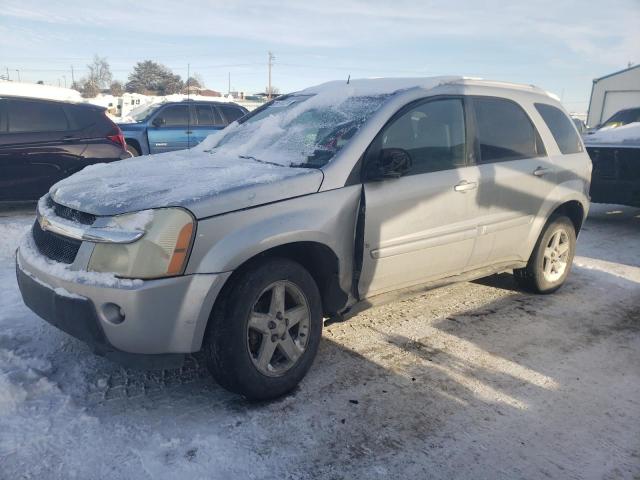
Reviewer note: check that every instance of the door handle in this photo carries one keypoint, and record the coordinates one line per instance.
(540, 171)
(188, 132)
(465, 186)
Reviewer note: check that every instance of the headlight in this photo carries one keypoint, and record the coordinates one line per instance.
(161, 252)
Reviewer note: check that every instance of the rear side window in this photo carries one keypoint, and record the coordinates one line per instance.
(231, 113)
(174, 115)
(505, 132)
(26, 116)
(208, 116)
(561, 128)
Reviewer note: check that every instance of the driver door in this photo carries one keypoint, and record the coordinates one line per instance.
(420, 227)
(170, 129)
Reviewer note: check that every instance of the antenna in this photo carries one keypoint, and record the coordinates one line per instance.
(348, 78)
(188, 107)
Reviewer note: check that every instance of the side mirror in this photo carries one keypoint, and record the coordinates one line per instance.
(158, 122)
(391, 163)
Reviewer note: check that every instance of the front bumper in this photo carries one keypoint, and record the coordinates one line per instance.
(165, 316)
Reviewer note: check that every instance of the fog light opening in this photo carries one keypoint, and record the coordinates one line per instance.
(112, 313)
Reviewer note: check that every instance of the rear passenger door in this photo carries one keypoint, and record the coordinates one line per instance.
(514, 177)
(170, 129)
(36, 146)
(208, 121)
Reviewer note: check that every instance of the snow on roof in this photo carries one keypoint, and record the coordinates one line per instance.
(625, 135)
(34, 90)
(380, 86)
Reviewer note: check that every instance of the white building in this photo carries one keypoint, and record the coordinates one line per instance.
(612, 93)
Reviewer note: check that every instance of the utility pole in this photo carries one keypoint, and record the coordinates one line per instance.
(18, 75)
(229, 89)
(73, 80)
(8, 78)
(271, 59)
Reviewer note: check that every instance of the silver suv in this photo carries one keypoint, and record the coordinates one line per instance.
(310, 207)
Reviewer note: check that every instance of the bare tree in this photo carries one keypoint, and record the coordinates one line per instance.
(90, 89)
(116, 89)
(100, 72)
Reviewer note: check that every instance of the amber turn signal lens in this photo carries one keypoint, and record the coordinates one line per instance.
(179, 256)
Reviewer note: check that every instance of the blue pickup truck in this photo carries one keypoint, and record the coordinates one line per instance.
(177, 125)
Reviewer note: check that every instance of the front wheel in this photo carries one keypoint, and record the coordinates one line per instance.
(551, 259)
(133, 150)
(265, 330)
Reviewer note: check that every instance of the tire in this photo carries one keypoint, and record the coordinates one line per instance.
(557, 261)
(246, 322)
(133, 150)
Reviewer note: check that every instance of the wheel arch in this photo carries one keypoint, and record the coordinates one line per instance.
(135, 144)
(574, 210)
(317, 258)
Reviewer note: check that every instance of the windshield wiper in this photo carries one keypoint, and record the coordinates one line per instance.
(249, 157)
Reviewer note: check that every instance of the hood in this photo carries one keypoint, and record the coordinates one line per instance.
(197, 180)
(131, 126)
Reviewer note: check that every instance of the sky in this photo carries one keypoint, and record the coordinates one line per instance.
(559, 45)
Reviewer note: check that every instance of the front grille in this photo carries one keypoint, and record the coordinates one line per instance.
(54, 246)
(615, 163)
(71, 214)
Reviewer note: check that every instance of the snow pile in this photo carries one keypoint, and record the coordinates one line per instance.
(625, 135)
(34, 90)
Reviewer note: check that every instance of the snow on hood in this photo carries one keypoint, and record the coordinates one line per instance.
(625, 135)
(205, 184)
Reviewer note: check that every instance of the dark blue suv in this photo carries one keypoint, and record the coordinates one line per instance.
(177, 125)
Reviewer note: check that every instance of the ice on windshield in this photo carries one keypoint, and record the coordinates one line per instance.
(299, 130)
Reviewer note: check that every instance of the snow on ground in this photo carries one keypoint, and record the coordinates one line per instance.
(476, 380)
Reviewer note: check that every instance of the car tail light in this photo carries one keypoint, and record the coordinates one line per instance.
(116, 136)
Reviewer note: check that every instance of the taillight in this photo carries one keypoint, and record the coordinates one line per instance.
(116, 136)
(118, 139)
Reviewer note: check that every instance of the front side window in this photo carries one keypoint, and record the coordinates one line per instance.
(504, 131)
(432, 133)
(26, 116)
(561, 128)
(175, 115)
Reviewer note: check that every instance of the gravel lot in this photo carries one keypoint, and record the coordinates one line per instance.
(475, 380)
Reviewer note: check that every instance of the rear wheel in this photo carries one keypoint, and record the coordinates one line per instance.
(133, 150)
(265, 330)
(551, 260)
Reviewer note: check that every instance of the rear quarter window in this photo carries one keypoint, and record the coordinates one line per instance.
(561, 128)
(505, 132)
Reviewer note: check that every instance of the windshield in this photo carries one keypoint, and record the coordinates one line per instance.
(299, 130)
(139, 116)
(623, 117)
